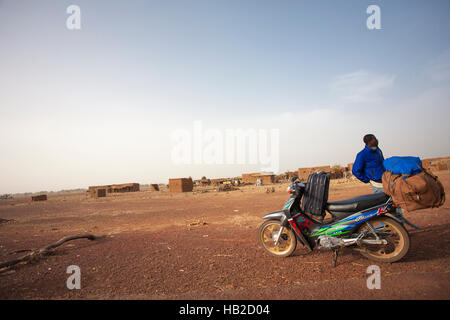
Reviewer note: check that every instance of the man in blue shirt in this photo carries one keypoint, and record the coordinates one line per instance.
(368, 166)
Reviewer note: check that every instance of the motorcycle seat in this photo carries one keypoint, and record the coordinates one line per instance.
(358, 203)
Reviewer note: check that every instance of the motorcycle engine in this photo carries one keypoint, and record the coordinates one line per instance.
(328, 242)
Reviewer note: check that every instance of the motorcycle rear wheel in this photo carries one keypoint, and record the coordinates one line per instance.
(268, 231)
(396, 236)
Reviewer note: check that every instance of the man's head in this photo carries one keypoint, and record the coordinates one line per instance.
(370, 140)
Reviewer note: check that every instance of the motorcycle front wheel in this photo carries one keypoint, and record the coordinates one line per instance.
(268, 234)
(394, 233)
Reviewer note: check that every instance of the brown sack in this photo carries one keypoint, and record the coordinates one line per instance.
(419, 191)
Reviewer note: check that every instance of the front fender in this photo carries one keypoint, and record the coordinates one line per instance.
(277, 215)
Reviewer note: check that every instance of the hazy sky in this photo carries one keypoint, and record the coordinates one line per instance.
(99, 105)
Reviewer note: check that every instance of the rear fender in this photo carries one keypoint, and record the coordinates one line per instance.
(395, 218)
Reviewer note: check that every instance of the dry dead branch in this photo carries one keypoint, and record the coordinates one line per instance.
(5, 220)
(34, 255)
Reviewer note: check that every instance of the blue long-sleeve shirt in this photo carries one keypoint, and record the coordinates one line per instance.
(369, 165)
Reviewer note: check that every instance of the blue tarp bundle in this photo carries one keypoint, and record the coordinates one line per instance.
(403, 165)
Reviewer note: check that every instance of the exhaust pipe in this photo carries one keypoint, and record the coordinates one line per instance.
(332, 242)
(348, 242)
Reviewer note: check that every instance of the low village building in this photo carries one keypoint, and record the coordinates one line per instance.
(178, 185)
(41, 197)
(113, 188)
(265, 178)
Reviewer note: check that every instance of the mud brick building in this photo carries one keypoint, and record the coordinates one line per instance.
(41, 197)
(178, 185)
(247, 177)
(266, 178)
(303, 173)
(436, 164)
(115, 188)
(338, 172)
(126, 187)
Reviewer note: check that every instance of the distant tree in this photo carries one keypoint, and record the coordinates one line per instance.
(203, 178)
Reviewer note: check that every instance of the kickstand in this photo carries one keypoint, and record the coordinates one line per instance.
(335, 257)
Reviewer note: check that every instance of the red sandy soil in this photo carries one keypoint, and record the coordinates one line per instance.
(155, 250)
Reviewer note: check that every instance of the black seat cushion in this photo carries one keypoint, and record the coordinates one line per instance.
(358, 203)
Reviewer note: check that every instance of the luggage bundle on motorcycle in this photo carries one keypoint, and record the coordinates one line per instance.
(410, 185)
(316, 193)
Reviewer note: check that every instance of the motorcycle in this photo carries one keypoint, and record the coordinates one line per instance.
(361, 223)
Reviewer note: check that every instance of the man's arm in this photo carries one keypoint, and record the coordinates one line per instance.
(358, 169)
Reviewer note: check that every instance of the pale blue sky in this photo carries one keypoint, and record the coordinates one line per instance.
(98, 105)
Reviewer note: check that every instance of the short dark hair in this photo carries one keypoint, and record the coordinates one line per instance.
(368, 137)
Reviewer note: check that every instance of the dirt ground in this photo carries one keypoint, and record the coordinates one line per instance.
(157, 249)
